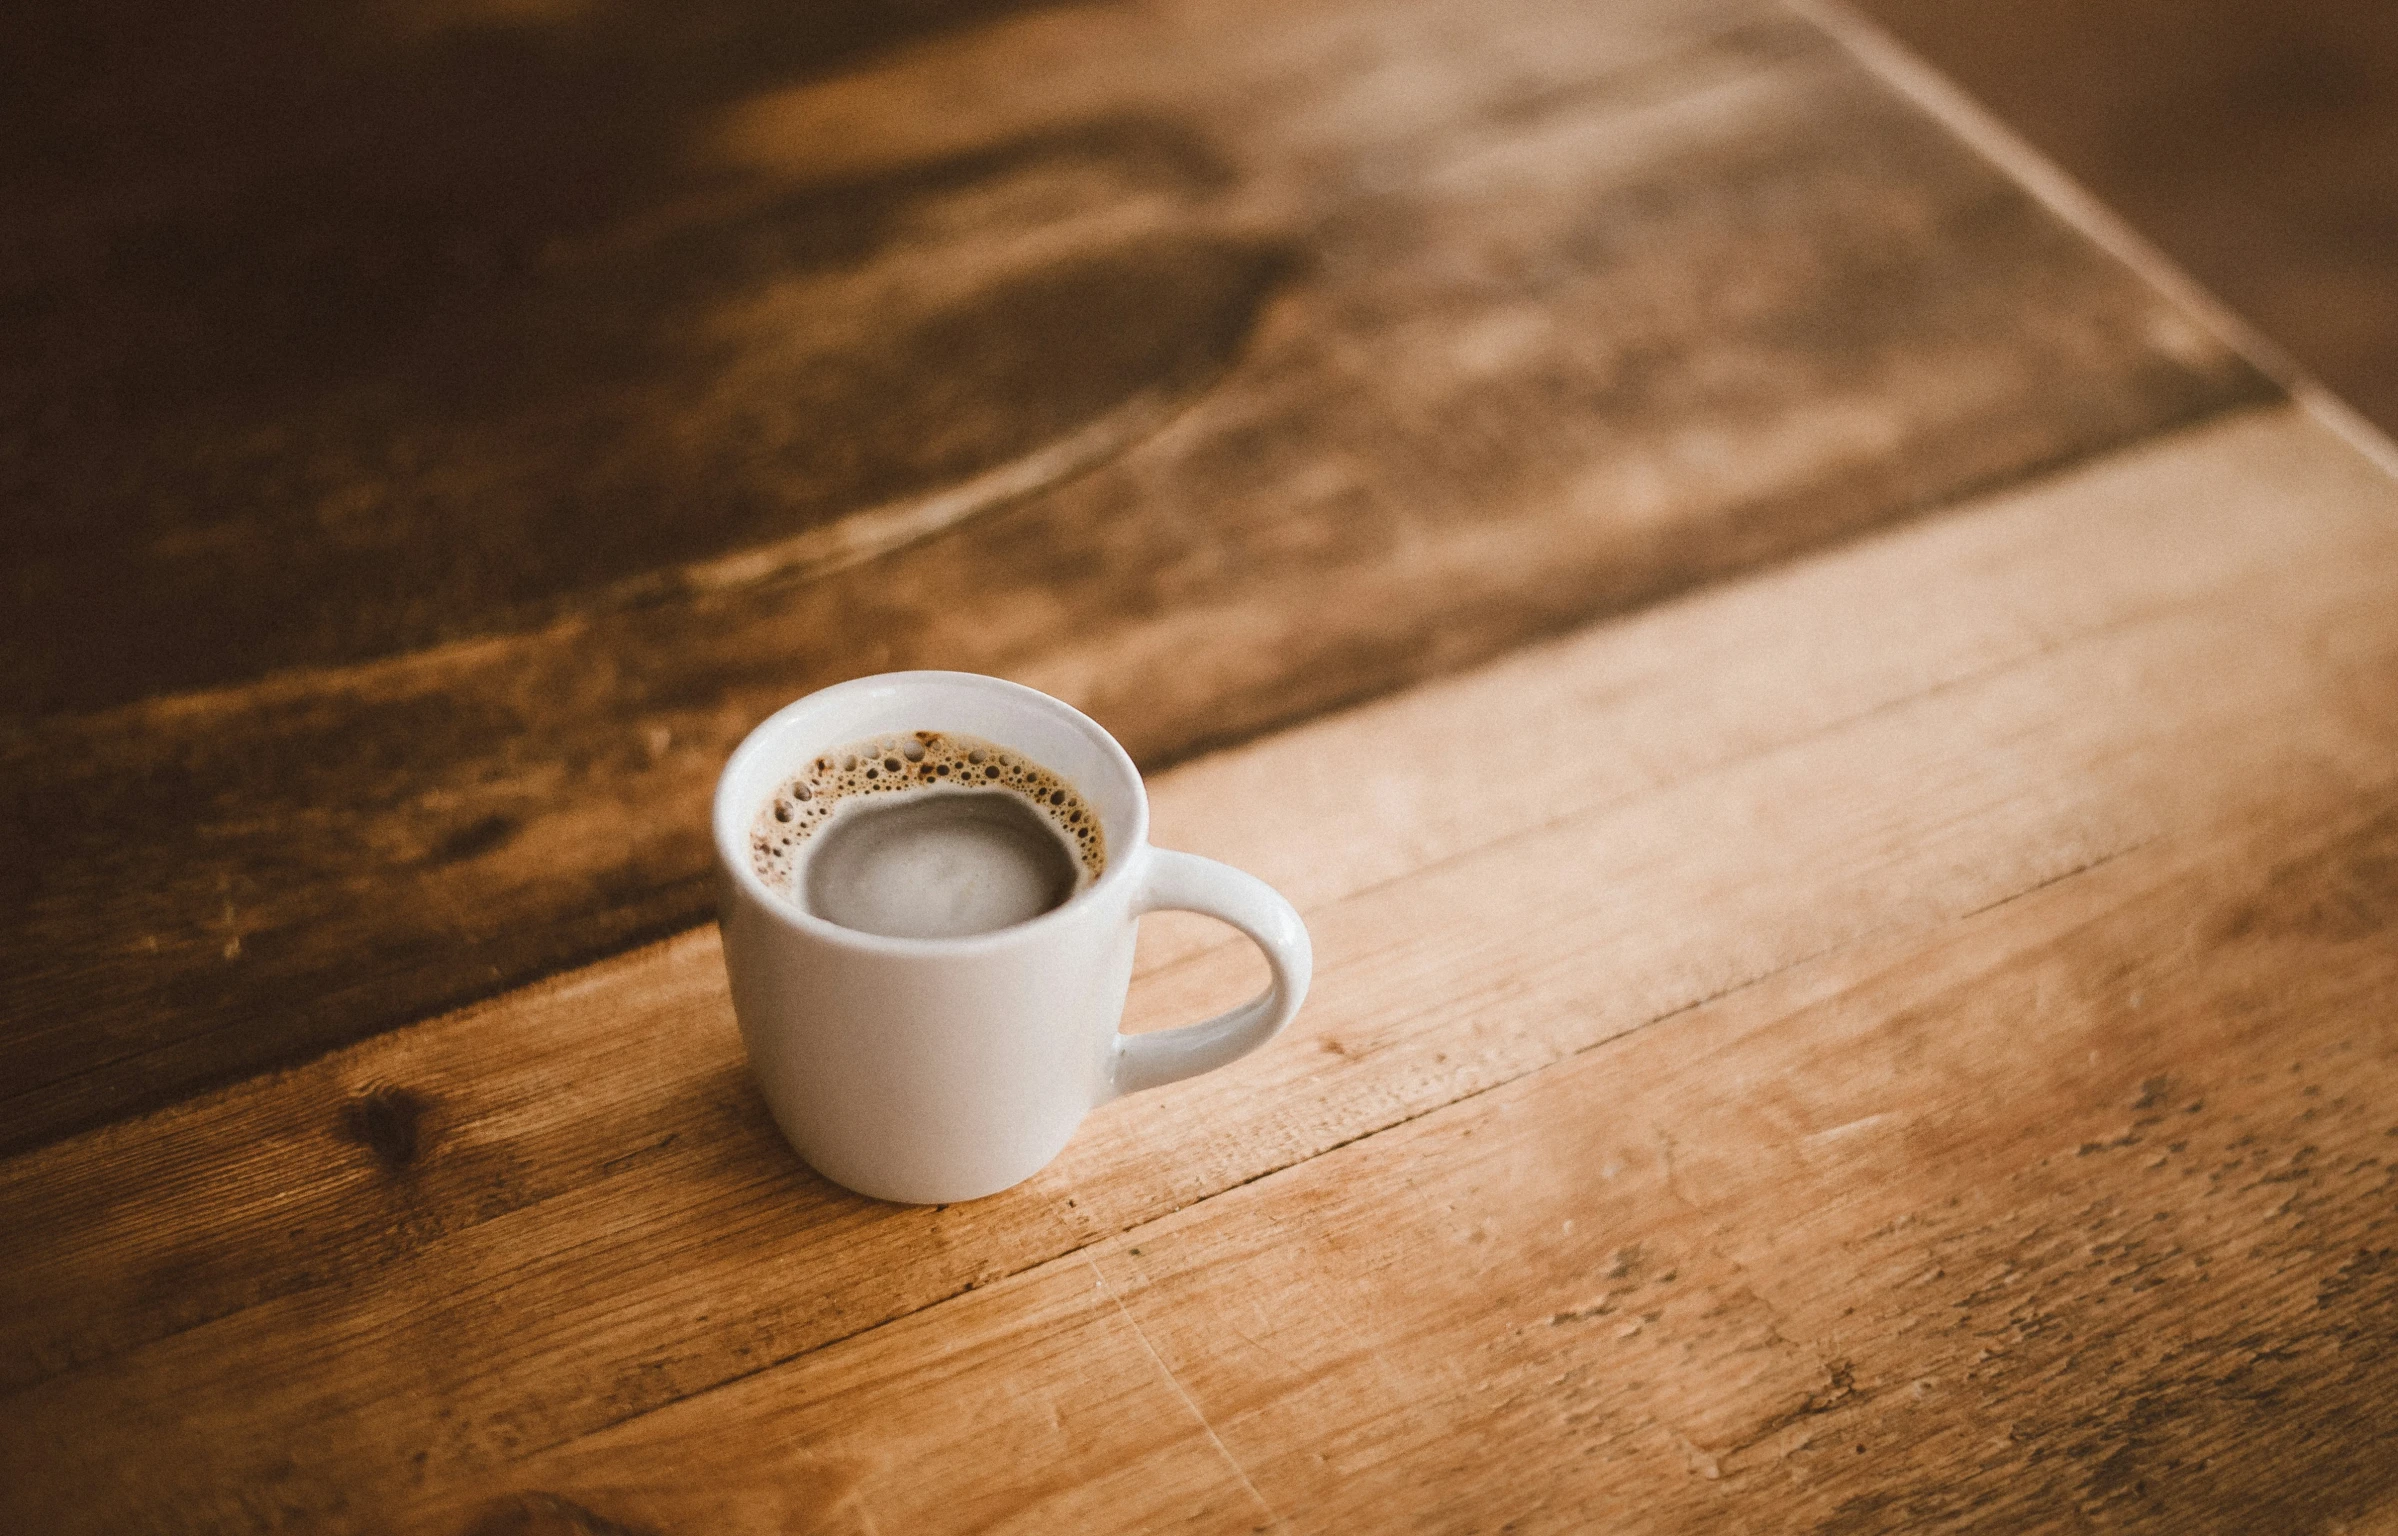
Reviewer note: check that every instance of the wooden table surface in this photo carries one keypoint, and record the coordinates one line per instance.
(1836, 733)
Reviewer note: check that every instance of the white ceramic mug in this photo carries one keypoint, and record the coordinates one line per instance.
(932, 1070)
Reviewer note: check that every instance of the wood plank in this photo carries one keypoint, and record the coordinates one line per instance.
(519, 1224)
(1431, 332)
(2062, 1220)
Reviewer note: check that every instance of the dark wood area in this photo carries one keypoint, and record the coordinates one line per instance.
(422, 483)
(2256, 144)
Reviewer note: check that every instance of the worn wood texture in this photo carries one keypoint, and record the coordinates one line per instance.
(2065, 1222)
(1977, 828)
(402, 531)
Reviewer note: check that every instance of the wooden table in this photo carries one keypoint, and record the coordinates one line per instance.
(1837, 734)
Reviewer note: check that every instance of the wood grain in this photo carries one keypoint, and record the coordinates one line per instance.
(2062, 1222)
(1209, 364)
(397, 1272)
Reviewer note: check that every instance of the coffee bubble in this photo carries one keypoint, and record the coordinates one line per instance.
(915, 762)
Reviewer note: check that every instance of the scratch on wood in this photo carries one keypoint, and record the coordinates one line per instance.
(1213, 1438)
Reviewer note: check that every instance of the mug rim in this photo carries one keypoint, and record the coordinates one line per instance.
(729, 827)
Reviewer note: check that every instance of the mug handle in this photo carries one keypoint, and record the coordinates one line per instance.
(1186, 882)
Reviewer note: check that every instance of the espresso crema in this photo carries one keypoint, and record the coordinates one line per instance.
(926, 834)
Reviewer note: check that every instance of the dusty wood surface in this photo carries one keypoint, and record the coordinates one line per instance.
(436, 433)
(1901, 1038)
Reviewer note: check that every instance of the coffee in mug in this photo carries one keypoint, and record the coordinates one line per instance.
(928, 890)
(927, 835)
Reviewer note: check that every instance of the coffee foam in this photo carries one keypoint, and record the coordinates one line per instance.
(913, 760)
